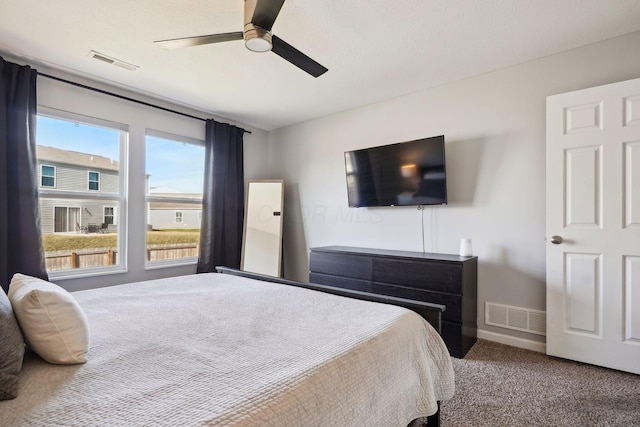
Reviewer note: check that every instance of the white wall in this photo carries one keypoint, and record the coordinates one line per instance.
(61, 96)
(494, 126)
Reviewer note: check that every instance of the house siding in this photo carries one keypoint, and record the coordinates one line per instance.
(165, 218)
(76, 178)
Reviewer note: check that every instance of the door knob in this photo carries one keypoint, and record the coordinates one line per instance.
(556, 240)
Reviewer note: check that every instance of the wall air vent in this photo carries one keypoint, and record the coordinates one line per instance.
(109, 60)
(518, 318)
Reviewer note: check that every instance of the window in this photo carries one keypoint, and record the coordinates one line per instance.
(47, 176)
(87, 122)
(109, 217)
(175, 174)
(81, 190)
(94, 181)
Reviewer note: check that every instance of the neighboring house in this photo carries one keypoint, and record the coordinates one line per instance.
(171, 214)
(64, 170)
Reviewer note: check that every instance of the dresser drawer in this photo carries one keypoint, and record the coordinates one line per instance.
(340, 264)
(453, 312)
(434, 276)
(340, 282)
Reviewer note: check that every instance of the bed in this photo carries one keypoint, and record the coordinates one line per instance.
(220, 349)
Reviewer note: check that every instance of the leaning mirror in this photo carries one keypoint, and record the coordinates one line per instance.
(262, 238)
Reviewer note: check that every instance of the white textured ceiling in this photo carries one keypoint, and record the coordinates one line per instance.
(374, 49)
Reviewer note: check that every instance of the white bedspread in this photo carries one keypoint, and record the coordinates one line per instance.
(219, 350)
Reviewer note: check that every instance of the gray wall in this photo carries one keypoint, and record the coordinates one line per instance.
(494, 125)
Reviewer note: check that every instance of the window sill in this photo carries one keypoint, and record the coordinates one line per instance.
(85, 272)
(184, 262)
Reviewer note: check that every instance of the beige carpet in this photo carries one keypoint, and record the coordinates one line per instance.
(499, 385)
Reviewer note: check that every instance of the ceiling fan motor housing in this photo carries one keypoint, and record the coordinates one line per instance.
(257, 39)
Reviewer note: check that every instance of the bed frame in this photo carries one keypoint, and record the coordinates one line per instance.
(432, 313)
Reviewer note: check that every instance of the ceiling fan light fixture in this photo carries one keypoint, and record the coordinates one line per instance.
(257, 39)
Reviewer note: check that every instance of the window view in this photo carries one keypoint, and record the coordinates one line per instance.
(175, 174)
(79, 170)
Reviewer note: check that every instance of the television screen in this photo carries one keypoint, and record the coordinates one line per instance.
(402, 174)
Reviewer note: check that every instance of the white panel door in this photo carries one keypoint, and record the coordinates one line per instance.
(593, 226)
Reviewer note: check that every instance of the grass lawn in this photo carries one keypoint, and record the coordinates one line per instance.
(62, 242)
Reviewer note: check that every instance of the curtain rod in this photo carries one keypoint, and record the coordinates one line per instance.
(126, 98)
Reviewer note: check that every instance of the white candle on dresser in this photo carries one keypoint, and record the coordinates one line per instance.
(465, 247)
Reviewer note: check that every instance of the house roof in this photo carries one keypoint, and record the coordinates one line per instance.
(163, 190)
(170, 205)
(175, 205)
(90, 161)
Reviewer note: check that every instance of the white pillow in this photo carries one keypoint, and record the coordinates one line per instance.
(52, 322)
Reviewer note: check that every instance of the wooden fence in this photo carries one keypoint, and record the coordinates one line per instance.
(175, 251)
(81, 258)
(100, 257)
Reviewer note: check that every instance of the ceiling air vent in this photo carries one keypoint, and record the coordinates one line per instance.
(109, 60)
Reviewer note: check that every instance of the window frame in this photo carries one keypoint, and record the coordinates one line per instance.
(120, 197)
(54, 177)
(150, 265)
(178, 217)
(113, 215)
(89, 180)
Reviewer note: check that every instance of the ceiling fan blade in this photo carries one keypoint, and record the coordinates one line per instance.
(297, 58)
(198, 40)
(266, 12)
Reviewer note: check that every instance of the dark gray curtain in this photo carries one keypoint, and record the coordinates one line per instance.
(21, 248)
(223, 198)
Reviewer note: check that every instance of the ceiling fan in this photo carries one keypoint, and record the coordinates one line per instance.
(259, 16)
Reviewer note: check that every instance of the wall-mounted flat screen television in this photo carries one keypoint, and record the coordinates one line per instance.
(403, 174)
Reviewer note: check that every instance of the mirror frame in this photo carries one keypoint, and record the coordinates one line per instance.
(246, 214)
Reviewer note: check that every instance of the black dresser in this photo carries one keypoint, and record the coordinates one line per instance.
(437, 278)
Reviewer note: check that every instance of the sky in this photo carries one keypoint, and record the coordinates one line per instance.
(173, 164)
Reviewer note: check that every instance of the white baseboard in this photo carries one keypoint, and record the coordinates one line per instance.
(513, 341)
